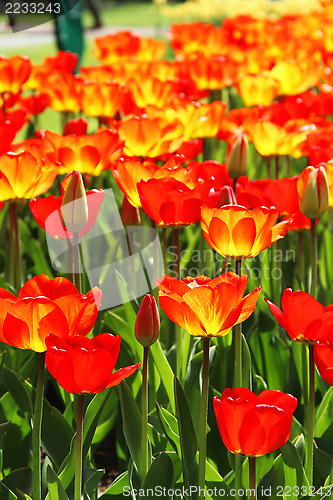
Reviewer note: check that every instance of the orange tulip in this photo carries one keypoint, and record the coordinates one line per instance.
(23, 176)
(207, 307)
(150, 137)
(89, 154)
(44, 306)
(63, 92)
(100, 99)
(14, 71)
(235, 231)
(124, 45)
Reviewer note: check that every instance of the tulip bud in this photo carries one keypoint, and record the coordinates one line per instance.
(74, 207)
(147, 324)
(76, 126)
(130, 215)
(313, 192)
(238, 155)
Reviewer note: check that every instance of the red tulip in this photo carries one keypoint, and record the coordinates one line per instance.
(44, 306)
(147, 324)
(301, 315)
(83, 365)
(323, 356)
(254, 425)
(171, 203)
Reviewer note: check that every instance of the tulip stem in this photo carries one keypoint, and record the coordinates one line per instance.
(301, 258)
(14, 248)
(310, 434)
(238, 340)
(203, 419)
(78, 447)
(37, 429)
(178, 330)
(313, 258)
(144, 427)
(238, 378)
(252, 478)
(76, 262)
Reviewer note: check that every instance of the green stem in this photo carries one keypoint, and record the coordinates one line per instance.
(252, 478)
(310, 433)
(238, 380)
(76, 262)
(178, 330)
(203, 418)
(238, 340)
(144, 422)
(301, 258)
(305, 384)
(313, 258)
(14, 249)
(37, 429)
(78, 448)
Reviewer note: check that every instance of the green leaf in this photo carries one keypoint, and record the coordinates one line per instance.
(57, 434)
(17, 390)
(188, 440)
(117, 488)
(6, 494)
(291, 458)
(324, 414)
(170, 427)
(91, 418)
(20, 479)
(164, 370)
(3, 429)
(131, 424)
(91, 479)
(56, 490)
(159, 476)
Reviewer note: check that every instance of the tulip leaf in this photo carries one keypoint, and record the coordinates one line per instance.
(159, 477)
(91, 479)
(91, 418)
(17, 390)
(57, 442)
(322, 465)
(164, 370)
(17, 441)
(56, 490)
(131, 424)
(188, 440)
(324, 414)
(291, 458)
(116, 490)
(3, 429)
(6, 494)
(170, 427)
(19, 479)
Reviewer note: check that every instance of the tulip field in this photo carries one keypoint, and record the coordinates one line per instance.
(166, 300)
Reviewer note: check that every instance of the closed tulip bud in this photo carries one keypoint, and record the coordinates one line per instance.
(74, 208)
(313, 192)
(147, 324)
(76, 126)
(238, 156)
(130, 215)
